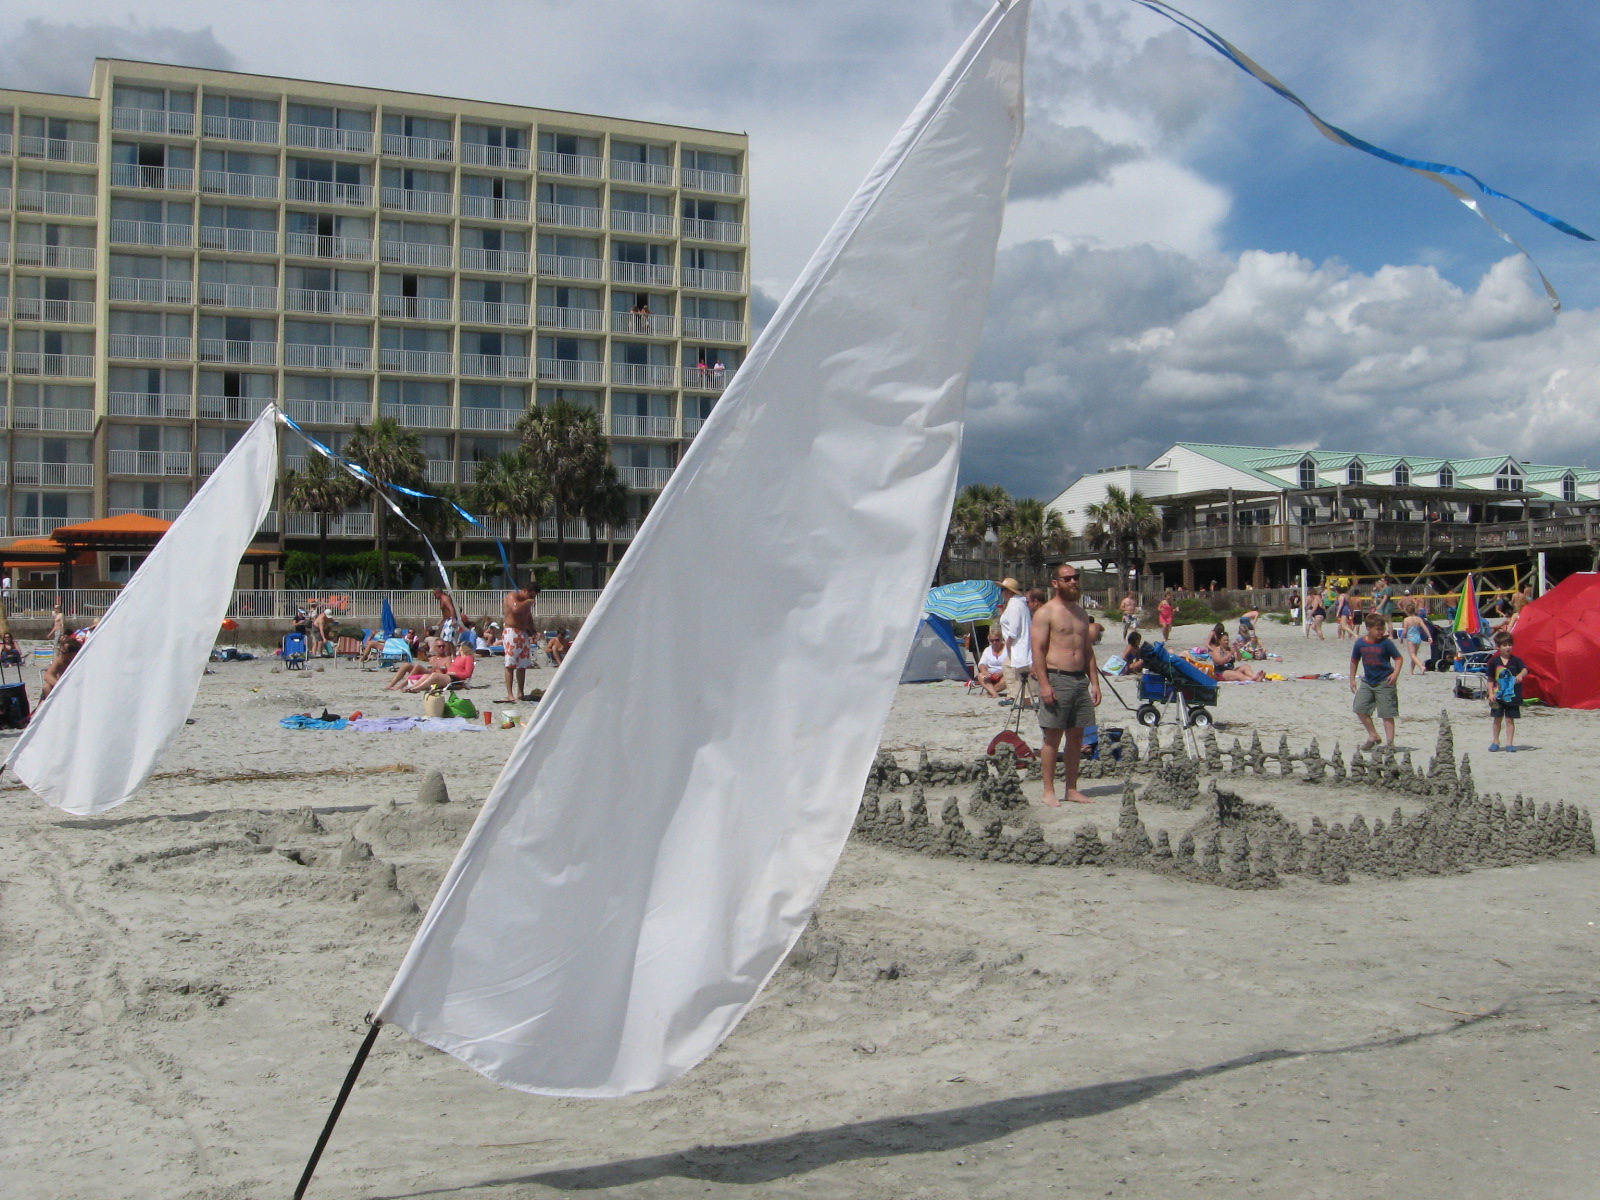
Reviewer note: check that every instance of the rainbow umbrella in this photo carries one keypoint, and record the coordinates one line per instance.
(1467, 619)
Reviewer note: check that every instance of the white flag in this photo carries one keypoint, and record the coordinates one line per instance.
(100, 732)
(660, 835)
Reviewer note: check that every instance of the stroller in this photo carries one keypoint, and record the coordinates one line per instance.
(1167, 678)
(1471, 662)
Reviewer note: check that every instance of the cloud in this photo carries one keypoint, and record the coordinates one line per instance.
(1055, 157)
(58, 56)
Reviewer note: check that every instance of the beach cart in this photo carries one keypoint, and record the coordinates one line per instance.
(1168, 679)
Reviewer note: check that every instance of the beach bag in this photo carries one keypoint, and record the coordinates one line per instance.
(433, 704)
(1505, 688)
(459, 706)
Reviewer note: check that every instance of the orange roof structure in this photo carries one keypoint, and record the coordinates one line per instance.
(122, 530)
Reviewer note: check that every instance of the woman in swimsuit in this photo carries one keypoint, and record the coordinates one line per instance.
(1316, 614)
(1226, 663)
(1414, 635)
(1344, 614)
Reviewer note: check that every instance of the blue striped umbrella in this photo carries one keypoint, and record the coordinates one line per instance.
(972, 600)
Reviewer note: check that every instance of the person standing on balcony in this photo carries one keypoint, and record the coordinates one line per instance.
(520, 642)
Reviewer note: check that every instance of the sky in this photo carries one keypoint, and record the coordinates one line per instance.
(1184, 256)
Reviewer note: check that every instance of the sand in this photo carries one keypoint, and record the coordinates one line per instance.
(185, 979)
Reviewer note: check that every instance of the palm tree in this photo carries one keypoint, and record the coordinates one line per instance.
(324, 489)
(391, 455)
(565, 444)
(604, 503)
(1129, 522)
(1035, 534)
(979, 509)
(508, 488)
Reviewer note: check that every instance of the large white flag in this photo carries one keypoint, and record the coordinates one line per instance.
(660, 835)
(101, 731)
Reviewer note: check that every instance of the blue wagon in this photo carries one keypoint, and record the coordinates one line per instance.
(1167, 678)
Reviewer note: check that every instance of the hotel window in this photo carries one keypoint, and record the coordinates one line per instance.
(1569, 487)
(1447, 477)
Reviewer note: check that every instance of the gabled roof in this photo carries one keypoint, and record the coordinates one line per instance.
(1483, 466)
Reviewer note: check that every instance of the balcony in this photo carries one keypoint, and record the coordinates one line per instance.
(652, 375)
(580, 166)
(160, 514)
(329, 412)
(346, 525)
(416, 254)
(316, 245)
(58, 150)
(342, 304)
(649, 174)
(61, 258)
(568, 266)
(706, 379)
(232, 408)
(5, 144)
(52, 474)
(493, 208)
(588, 320)
(623, 425)
(245, 354)
(575, 529)
(648, 274)
(147, 462)
(573, 216)
(71, 366)
(571, 370)
(67, 312)
(719, 182)
(665, 325)
(322, 191)
(55, 204)
(441, 471)
(496, 366)
(421, 416)
(500, 262)
(164, 179)
(53, 420)
(693, 425)
(233, 183)
(40, 526)
(327, 358)
(237, 129)
(479, 154)
(151, 233)
(150, 347)
(150, 404)
(712, 330)
(241, 241)
(428, 149)
(713, 281)
(659, 224)
(127, 290)
(153, 120)
(239, 295)
(208, 461)
(486, 312)
(713, 231)
(415, 308)
(649, 479)
(417, 362)
(491, 420)
(415, 200)
(324, 137)
(5, 197)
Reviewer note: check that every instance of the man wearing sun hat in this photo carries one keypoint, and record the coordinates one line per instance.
(1016, 621)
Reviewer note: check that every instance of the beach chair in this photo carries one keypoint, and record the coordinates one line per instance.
(350, 648)
(294, 652)
(1473, 653)
(394, 652)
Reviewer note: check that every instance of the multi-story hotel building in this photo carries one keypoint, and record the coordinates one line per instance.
(182, 246)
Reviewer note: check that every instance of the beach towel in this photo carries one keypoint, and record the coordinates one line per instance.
(301, 721)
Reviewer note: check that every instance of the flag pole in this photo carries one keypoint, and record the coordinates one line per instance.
(338, 1106)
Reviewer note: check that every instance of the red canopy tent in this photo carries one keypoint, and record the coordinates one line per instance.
(1558, 636)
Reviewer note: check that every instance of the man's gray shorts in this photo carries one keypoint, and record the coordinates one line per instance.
(1072, 709)
(1381, 700)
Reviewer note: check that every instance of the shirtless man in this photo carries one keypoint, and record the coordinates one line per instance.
(449, 618)
(519, 640)
(1069, 681)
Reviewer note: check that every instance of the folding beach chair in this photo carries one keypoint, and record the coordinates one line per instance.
(350, 648)
(294, 652)
(395, 651)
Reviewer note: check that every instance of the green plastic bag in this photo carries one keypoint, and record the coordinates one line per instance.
(458, 705)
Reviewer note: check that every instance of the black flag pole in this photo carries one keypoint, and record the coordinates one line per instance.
(338, 1105)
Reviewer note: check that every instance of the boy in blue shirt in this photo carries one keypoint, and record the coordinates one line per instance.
(1506, 673)
(1376, 684)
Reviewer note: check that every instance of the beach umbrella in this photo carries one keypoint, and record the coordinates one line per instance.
(1467, 619)
(973, 600)
(388, 621)
(1558, 636)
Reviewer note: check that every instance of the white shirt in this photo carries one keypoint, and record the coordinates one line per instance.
(1016, 626)
(991, 660)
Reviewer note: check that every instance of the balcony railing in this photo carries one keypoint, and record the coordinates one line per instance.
(52, 474)
(62, 258)
(659, 224)
(316, 245)
(649, 274)
(147, 462)
(235, 183)
(231, 408)
(5, 197)
(641, 325)
(322, 191)
(493, 420)
(166, 179)
(706, 379)
(40, 526)
(327, 358)
(151, 233)
(346, 525)
(495, 366)
(625, 425)
(713, 281)
(440, 470)
(150, 404)
(432, 149)
(69, 312)
(503, 262)
(651, 479)
(257, 354)
(494, 208)
(488, 312)
(238, 129)
(153, 120)
(150, 346)
(417, 362)
(160, 514)
(662, 375)
(239, 295)
(323, 137)
(58, 149)
(240, 241)
(208, 461)
(346, 304)
(713, 231)
(54, 420)
(417, 200)
(415, 308)
(713, 330)
(650, 174)
(125, 289)
(713, 181)
(693, 425)
(589, 320)
(479, 154)
(421, 416)
(574, 216)
(55, 204)
(571, 370)
(329, 412)
(72, 366)
(416, 254)
(569, 266)
(584, 166)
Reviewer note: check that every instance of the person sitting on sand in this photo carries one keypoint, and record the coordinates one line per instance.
(1225, 663)
(410, 672)
(558, 645)
(67, 648)
(991, 675)
(458, 670)
(1133, 655)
